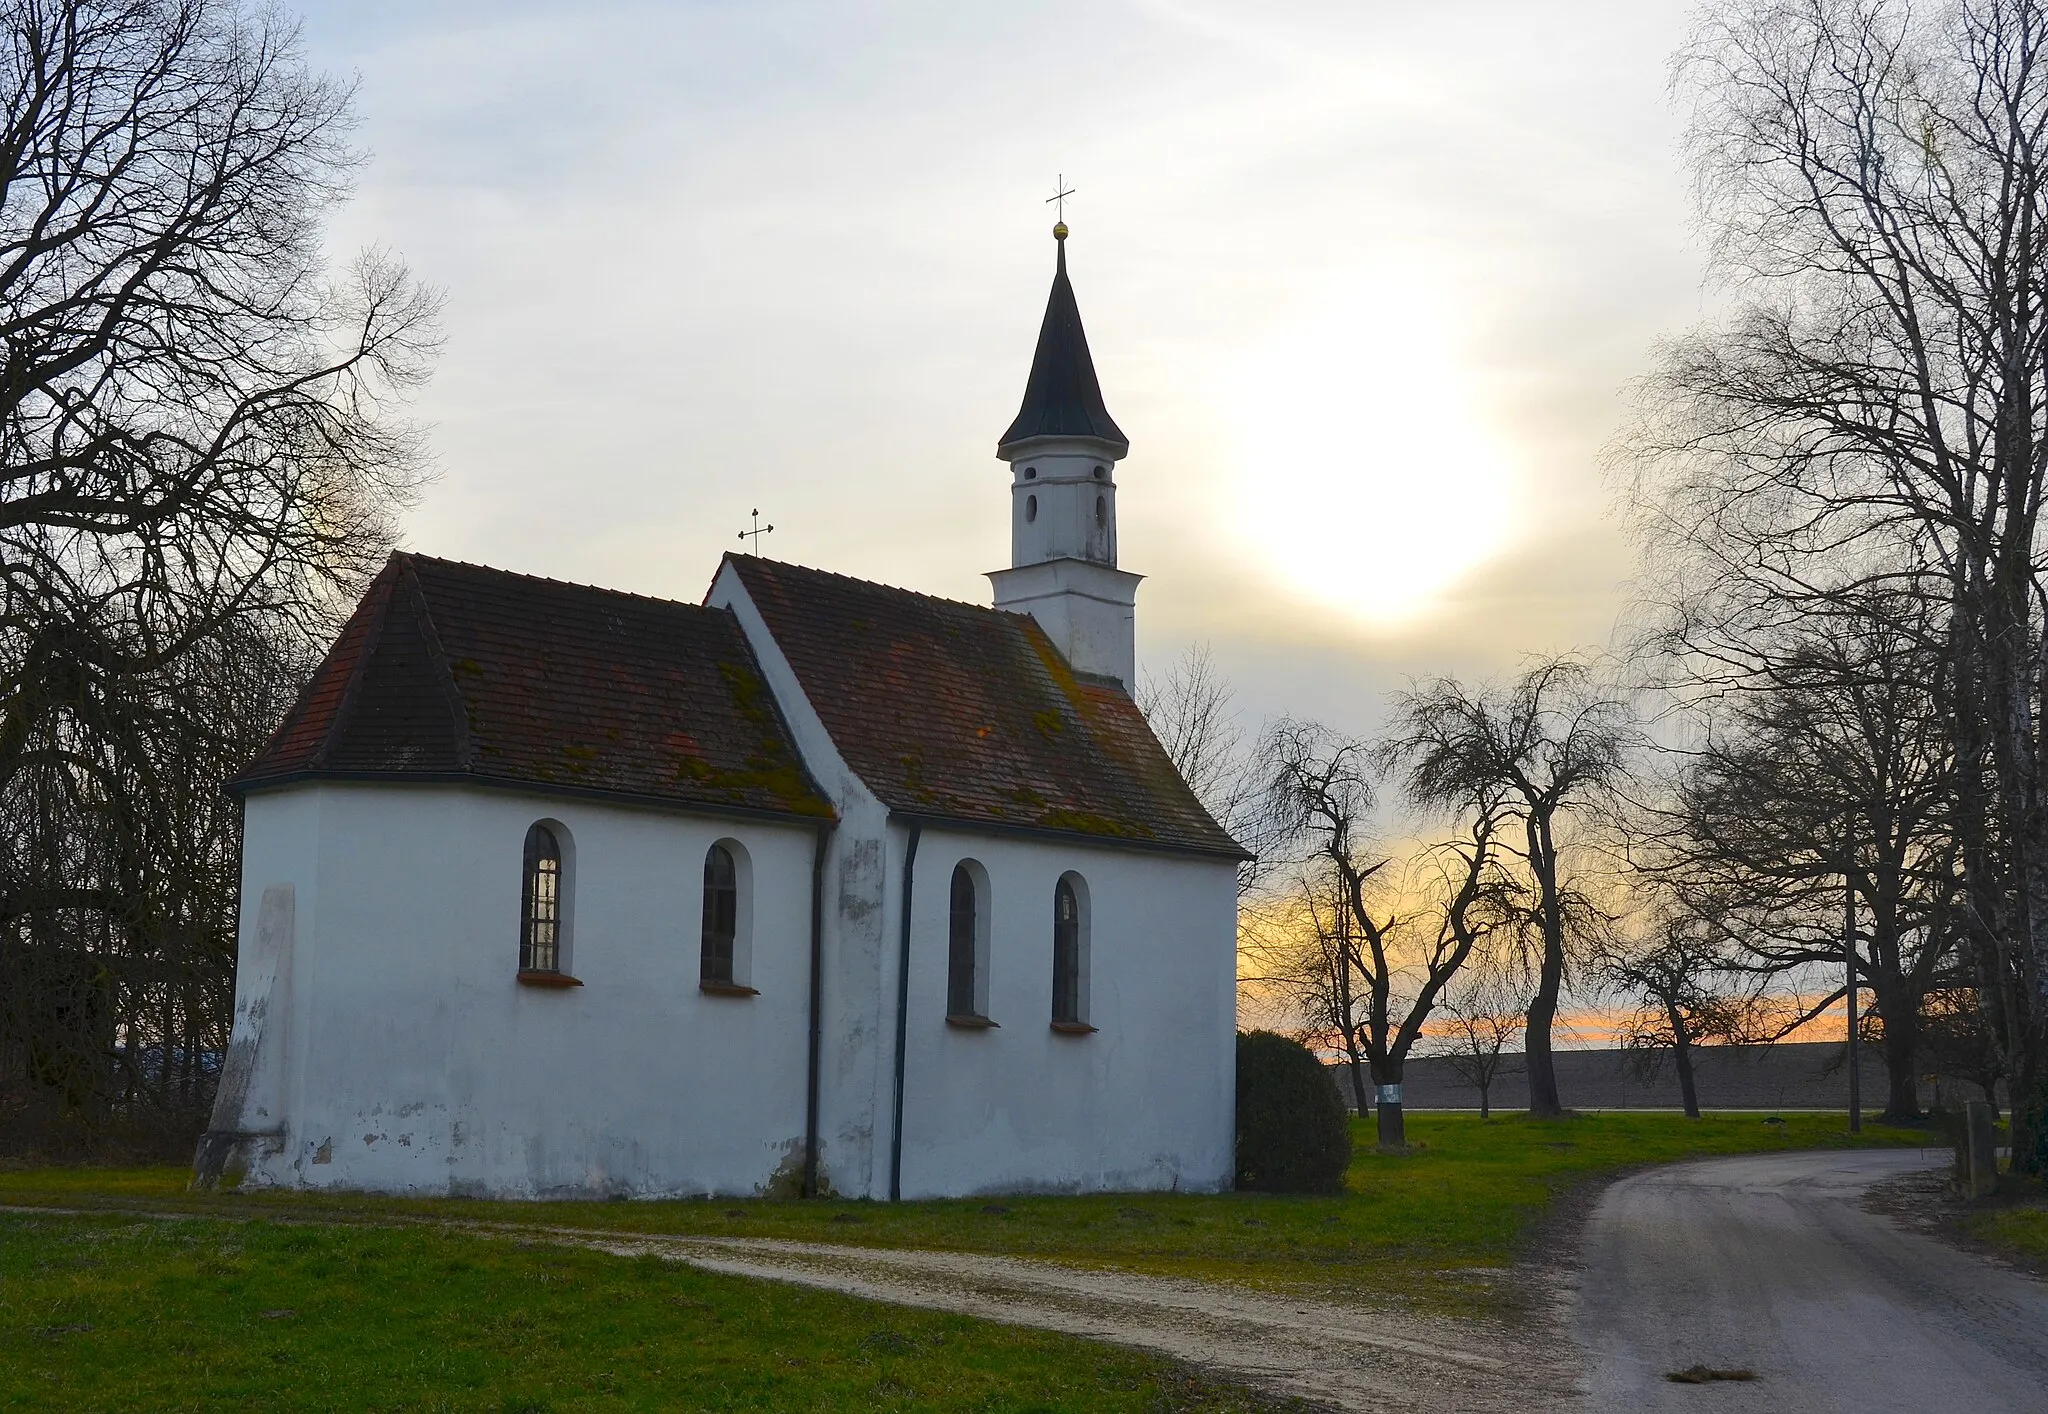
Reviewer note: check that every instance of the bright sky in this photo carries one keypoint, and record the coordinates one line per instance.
(1364, 281)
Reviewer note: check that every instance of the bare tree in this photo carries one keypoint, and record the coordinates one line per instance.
(1824, 773)
(1957, 1044)
(1390, 947)
(1294, 954)
(1192, 710)
(200, 448)
(1677, 978)
(1873, 411)
(1541, 752)
(1482, 1016)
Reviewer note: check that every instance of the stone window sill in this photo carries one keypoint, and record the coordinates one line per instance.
(968, 1022)
(527, 977)
(1074, 1028)
(726, 989)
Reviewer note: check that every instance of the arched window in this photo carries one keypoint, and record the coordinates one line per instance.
(964, 933)
(1101, 510)
(721, 913)
(1030, 508)
(540, 911)
(1069, 955)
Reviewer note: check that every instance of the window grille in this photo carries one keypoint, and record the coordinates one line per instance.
(721, 913)
(540, 914)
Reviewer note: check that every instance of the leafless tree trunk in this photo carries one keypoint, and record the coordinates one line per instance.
(1393, 949)
(1822, 763)
(1481, 1015)
(199, 452)
(1291, 949)
(1543, 751)
(1875, 177)
(1957, 1043)
(1678, 979)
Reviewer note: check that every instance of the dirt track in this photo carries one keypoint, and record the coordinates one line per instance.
(1340, 1355)
(1767, 1263)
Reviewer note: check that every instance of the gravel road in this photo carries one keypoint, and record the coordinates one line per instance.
(1770, 1264)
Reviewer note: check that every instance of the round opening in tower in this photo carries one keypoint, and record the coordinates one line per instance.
(1030, 508)
(1101, 510)
(1031, 473)
(1102, 473)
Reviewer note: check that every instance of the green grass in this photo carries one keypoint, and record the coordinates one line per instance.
(1434, 1225)
(115, 1313)
(2019, 1229)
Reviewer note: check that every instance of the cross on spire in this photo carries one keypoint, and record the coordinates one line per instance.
(756, 533)
(1058, 200)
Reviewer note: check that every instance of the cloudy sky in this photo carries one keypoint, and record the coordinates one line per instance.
(1365, 284)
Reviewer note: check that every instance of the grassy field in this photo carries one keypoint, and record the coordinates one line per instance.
(1434, 1225)
(114, 1313)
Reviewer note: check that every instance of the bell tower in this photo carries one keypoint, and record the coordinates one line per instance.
(1062, 450)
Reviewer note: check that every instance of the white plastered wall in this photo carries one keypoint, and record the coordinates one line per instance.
(863, 859)
(1145, 1101)
(418, 1063)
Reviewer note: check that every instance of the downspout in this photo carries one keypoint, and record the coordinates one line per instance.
(902, 1019)
(810, 1189)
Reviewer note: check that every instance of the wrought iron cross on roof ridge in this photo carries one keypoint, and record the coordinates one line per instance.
(1058, 200)
(756, 533)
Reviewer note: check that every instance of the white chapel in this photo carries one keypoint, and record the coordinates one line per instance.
(817, 887)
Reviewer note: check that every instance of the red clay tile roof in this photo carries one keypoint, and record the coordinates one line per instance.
(451, 671)
(953, 711)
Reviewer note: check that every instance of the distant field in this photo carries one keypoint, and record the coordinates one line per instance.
(1785, 1076)
(1433, 1226)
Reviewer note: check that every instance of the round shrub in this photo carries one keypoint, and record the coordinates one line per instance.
(1292, 1133)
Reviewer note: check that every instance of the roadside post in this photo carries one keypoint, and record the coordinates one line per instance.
(1981, 1145)
(1849, 963)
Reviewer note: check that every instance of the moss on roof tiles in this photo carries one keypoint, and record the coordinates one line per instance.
(561, 684)
(1083, 822)
(963, 712)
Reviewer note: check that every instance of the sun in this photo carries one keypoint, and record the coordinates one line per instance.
(1371, 482)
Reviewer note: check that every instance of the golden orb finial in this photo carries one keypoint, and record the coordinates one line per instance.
(1059, 230)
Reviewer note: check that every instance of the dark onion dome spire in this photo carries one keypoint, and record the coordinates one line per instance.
(1062, 398)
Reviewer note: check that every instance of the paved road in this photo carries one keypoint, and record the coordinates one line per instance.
(1771, 1264)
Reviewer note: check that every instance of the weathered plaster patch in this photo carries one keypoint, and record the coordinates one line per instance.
(787, 1180)
(860, 881)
